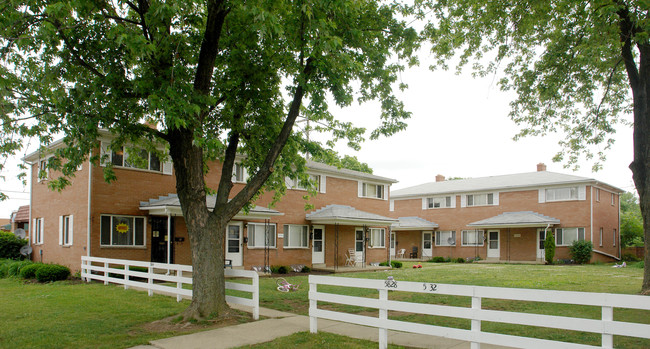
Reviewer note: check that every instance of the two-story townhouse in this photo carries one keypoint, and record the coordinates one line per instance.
(138, 216)
(505, 218)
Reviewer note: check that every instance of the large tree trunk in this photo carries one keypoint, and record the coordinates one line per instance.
(206, 232)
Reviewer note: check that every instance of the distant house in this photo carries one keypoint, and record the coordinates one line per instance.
(138, 216)
(505, 218)
(20, 218)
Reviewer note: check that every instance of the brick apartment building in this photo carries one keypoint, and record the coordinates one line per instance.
(505, 218)
(130, 218)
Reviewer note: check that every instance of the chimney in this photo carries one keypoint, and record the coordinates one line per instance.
(541, 167)
(440, 178)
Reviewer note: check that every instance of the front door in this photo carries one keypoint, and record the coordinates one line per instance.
(541, 237)
(159, 239)
(234, 246)
(358, 246)
(318, 245)
(392, 243)
(493, 244)
(427, 244)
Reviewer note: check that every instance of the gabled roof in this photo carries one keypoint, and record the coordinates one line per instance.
(170, 204)
(343, 172)
(504, 182)
(413, 223)
(22, 215)
(516, 220)
(347, 215)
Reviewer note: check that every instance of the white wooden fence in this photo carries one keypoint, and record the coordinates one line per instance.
(159, 275)
(606, 326)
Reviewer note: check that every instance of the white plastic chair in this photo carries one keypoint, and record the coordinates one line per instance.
(400, 253)
(350, 260)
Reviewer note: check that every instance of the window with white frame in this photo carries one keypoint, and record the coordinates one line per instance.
(296, 236)
(377, 237)
(480, 199)
(65, 230)
(612, 199)
(439, 202)
(562, 194)
(369, 190)
(43, 172)
(127, 231)
(140, 159)
(601, 237)
(238, 173)
(472, 237)
(614, 238)
(597, 194)
(446, 238)
(566, 236)
(295, 183)
(261, 235)
(38, 231)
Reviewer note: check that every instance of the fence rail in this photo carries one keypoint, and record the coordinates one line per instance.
(606, 326)
(159, 275)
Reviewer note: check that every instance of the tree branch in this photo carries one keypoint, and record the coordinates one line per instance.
(74, 52)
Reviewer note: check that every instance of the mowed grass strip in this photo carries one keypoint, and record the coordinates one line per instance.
(585, 278)
(318, 340)
(78, 315)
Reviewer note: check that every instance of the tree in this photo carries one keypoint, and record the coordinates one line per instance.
(572, 65)
(631, 221)
(218, 78)
(549, 247)
(330, 157)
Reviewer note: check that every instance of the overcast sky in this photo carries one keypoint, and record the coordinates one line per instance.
(459, 128)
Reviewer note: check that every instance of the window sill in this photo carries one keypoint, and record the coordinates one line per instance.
(294, 248)
(123, 246)
(472, 245)
(377, 248)
(563, 200)
(140, 170)
(261, 248)
(370, 197)
(66, 246)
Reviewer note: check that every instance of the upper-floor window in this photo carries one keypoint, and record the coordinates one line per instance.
(122, 230)
(561, 194)
(238, 173)
(612, 199)
(439, 202)
(43, 171)
(377, 237)
(472, 237)
(314, 182)
(597, 194)
(144, 160)
(261, 235)
(566, 236)
(296, 236)
(446, 238)
(480, 199)
(369, 190)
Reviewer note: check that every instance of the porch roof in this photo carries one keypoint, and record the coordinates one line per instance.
(413, 223)
(170, 204)
(522, 219)
(347, 215)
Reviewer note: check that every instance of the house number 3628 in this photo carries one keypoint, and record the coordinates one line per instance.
(430, 287)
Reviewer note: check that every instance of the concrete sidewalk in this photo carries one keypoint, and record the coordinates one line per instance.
(281, 324)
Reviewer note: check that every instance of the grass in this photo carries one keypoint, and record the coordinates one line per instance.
(318, 340)
(75, 315)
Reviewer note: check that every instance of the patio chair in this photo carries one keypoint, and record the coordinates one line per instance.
(350, 260)
(414, 252)
(400, 253)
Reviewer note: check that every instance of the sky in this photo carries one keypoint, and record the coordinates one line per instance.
(459, 128)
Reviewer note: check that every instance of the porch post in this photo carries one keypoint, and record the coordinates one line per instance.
(169, 238)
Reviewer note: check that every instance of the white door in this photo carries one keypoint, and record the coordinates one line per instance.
(493, 244)
(359, 245)
(318, 245)
(392, 243)
(234, 246)
(541, 236)
(427, 244)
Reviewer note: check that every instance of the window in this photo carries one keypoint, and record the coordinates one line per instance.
(597, 194)
(614, 238)
(65, 230)
(377, 237)
(439, 202)
(314, 182)
(601, 237)
(238, 173)
(612, 199)
(472, 237)
(446, 238)
(43, 172)
(38, 231)
(122, 230)
(144, 160)
(566, 236)
(480, 199)
(296, 236)
(562, 194)
(261, 235)
(372, 190)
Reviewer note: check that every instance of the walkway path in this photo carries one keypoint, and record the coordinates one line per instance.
(281, 324)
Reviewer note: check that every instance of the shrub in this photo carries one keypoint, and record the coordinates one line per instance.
(15, 267)
(460, 260)
(10, 246)
(29, 271)
(383, 264)
(580, 251)
(438, 259)
(448, 260)
(4, 266)
(628, 257)
(280, 269)
(396, 264)
(52, 272)
(549, 247)
(305, 269)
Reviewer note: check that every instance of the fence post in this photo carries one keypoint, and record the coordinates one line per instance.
(127, 270)
(383, 315)
(476, 324)
(256, 296)
(313, 325)
(179, 284)
(607, 317)
(150, 281)
(105, 273)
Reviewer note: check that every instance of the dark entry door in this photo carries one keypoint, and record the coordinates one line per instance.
(159, 238)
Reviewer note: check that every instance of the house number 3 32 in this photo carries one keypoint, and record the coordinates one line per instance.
(430, 287)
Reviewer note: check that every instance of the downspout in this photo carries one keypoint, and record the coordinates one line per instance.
(591, 218)
(620, 253)
(90, 181)
(169, 237)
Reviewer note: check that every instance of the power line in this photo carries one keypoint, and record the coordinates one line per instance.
(14, 191)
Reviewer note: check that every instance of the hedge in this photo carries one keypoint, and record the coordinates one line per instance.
(52, 272)
(10, 246)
